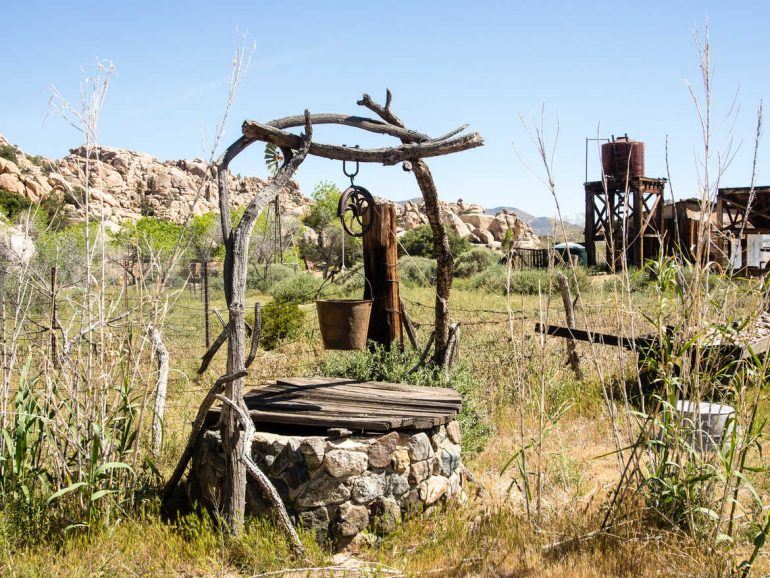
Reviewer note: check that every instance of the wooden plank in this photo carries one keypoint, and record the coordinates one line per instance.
(332, 406)
(351, 421)
(276, 395)
(432, 392)
(593, 337)
(337, 402)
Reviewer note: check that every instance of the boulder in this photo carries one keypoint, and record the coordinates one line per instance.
(381, 451)
(367, 487)
(453, 431)
(456, 224)
(478, 220)
(11, 182)
(322, 491)
(345, 463)
(420, 447)
(351, 519)
(433, 489)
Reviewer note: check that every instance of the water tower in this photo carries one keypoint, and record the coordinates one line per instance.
(625, 208)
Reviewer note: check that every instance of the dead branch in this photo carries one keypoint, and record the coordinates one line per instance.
(197, 430)
(160, 390)
(69, 343)
(264, 483)
(444, 260)
(424, 355)
(235, 272)
(407, 323)
(410, 150)
(572, 355)
(255, 335)
(212, 351)
(367, 124)
(452, 345)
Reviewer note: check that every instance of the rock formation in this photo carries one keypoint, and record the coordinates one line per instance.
(470, 222)
(129, 184)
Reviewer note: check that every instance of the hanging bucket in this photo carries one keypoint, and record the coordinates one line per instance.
(344, 322)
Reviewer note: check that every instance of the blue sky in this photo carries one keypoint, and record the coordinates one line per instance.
(615, 67)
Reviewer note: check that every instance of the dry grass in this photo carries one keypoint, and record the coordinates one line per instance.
(489, 535)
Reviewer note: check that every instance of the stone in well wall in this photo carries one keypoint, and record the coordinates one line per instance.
(341, 486)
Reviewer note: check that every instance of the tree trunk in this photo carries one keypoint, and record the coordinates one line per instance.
(232, 438)
(444, 259)
(235, 273)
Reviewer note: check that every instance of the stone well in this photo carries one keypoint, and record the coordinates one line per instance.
(339, 486)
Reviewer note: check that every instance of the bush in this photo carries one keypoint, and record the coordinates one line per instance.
(281, 320)
(418, 242)
(12, 204)
(474, 261)
(638, 280)
(301, 288)
(267, 277)
(417, 271)
(526, 281)
(8, 152)
(395, 365)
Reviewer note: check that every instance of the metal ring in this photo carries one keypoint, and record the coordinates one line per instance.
(360, 202)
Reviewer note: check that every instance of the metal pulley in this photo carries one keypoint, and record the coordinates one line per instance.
(356, 207)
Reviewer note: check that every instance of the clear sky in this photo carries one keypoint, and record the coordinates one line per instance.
(616, 67)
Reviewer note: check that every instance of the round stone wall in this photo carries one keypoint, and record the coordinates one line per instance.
(340, 486)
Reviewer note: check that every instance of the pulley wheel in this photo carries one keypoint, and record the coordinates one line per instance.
(356, 210)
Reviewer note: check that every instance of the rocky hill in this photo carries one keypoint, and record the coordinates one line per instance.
(130, 184)
(470, 221)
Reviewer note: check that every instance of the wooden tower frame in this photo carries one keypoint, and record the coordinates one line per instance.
(627, 216)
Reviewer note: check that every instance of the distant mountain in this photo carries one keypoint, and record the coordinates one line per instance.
(543, 226)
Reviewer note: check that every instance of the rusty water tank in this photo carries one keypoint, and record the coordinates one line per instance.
(623, 157)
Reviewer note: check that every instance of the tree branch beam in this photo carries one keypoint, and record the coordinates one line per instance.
(386, 156)
(360, 122)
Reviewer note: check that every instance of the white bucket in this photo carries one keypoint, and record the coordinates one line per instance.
(706, 423)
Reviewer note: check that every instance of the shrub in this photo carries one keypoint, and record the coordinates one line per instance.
(281, 320)
(395, 366)
(12, 204)
(418, 242)
(526, 281)
(417, 271)
(301, 288)
(323, 209)
(268, 276)
(474, 261)
(8, 152)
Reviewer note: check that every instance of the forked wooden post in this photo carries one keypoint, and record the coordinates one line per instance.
(381, 271)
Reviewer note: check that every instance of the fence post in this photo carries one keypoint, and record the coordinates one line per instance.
(54, 322)
(206, 302)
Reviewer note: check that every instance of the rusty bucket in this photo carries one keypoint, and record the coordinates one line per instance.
(344, 323)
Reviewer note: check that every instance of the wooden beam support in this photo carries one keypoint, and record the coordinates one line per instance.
(381, 271)
(386, 156)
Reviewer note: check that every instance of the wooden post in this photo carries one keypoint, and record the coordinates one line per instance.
(569, 311)
(54, 322)
(206, 301)
(381, 271)
(590, 227)
(637, 234)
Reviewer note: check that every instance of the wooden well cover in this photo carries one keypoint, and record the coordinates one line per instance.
(327, 402)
